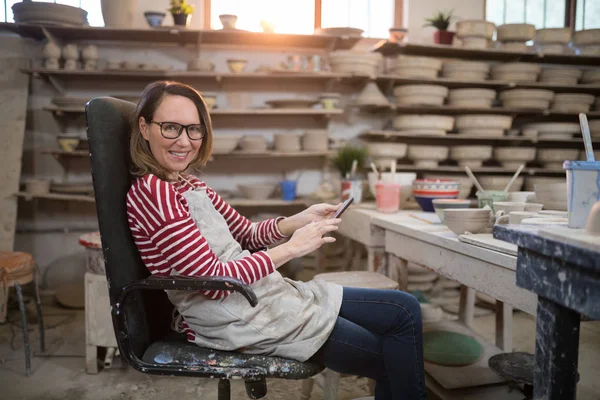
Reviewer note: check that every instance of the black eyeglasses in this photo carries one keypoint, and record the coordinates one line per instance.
(172, 130)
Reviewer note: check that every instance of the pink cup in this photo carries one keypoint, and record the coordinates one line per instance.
(387, 196)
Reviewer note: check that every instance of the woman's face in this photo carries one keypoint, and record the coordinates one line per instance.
(172, 154)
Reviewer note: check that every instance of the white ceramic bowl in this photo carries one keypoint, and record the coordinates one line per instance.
(236, 65)
(225, 144)
(386, 149)
(496, 182)
(257, 191)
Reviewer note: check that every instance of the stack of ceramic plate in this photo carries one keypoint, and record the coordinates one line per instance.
(591, 76)
(416, 124)
(552, 40)
(415, 67)
(475, 34)
(34, 12)
(516, 72)
(573, 102)
(471, 98)
(383, 153)
(587, 42)
(553, 130)
(561, 75)
(420, 278)
(355, 62)
(425, 156)
(499, 182)
(512, 156)
(515, 36)
(530, 99)
(485, 125)
(426, 95)
(469, 70)
(554, 158)
(471, 156)
(372, 96)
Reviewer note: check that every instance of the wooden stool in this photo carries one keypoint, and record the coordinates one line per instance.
(329, 380)
(18, 269)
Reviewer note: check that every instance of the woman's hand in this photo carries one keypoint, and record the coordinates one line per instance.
(310, 237)
(315, 213)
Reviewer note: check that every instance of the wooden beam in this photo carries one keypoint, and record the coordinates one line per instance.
(571, 13)
(206, 10)
(398, 13)
(318, 10)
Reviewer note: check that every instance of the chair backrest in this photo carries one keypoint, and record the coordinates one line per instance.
(108, 129)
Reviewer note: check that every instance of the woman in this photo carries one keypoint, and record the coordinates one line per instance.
(183, 227)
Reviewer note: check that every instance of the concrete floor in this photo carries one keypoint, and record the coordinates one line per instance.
(62, 376)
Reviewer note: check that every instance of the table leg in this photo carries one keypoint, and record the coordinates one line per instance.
(466, 308)
(376, 260)
(398, 271)
(556, 351)
(504, 326)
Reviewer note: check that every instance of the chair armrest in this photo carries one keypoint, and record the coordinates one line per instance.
(190, 283)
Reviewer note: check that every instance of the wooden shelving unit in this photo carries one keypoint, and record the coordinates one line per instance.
(57, 196)
(234, 202)
(236, 154)
(392, 49)
(182, 36)
(455, 139)
(480, 170)
(224, 111)
(391, 80)
(63, 77)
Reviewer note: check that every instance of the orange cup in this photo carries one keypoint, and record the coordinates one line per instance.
(387, 197)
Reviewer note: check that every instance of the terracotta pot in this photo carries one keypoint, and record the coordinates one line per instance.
(443, 37)
(182, 19)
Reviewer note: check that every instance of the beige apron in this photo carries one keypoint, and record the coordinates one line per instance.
(292, 319)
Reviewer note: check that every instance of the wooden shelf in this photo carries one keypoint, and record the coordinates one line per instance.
(226, 111)
(391, 49)
(276, 111)
(480, 170)
(445, 109)
(62, 153)
(182, 36)
(104, 75)
(274, 154)
(488, 84)
(57, 196)
(452, 138)
(235, 154)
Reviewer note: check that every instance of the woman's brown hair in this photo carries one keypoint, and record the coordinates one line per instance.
(141, 156)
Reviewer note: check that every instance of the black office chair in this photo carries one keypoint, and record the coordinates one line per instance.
(141, 311)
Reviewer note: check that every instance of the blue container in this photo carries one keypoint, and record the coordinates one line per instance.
(583, 190)
(154, 18)
(288, 190)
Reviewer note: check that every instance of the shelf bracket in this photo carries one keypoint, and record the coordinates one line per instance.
(390, 87)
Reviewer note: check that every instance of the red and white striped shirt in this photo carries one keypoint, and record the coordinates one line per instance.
(168, 238)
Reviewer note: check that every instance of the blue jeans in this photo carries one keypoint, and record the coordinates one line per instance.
(378, 335)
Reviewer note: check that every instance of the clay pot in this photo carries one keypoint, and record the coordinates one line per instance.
(228, 20)
(286, 142)
(236, 66)
(182, 19)
(315, 140)
(70, 52)
(443, 37)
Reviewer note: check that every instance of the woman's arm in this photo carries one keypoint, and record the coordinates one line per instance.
(169, 241)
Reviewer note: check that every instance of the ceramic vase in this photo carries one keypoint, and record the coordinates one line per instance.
(51, 55)
(118, 13)
(89, 54)
(71, 54)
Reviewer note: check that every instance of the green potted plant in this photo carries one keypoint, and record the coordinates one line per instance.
(181, 12)
(441, 21)
(342, 161)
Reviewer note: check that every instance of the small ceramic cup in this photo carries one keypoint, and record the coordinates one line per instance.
(515, 217)
(387, 197)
